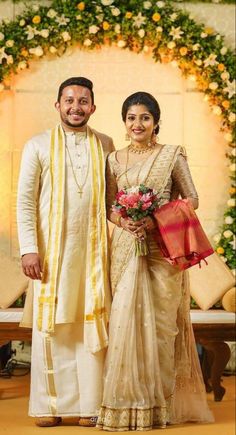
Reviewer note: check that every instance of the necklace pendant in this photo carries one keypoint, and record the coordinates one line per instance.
(80, 192)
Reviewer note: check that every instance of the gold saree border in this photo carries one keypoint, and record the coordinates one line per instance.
(124, 419)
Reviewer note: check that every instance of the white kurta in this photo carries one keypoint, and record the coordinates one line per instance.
(65, 378)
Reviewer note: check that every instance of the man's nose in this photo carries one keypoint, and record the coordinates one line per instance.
(76, 105)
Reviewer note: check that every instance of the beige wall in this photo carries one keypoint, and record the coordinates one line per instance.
(186, 119)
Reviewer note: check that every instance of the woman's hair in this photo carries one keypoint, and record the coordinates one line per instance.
(147, 100)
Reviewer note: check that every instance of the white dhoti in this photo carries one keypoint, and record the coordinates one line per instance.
(66, 380)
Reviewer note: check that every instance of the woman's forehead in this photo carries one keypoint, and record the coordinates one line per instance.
(138, 109)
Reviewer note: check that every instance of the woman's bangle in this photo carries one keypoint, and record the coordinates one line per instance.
(118, 219)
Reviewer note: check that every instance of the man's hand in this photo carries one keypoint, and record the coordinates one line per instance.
(31, 266)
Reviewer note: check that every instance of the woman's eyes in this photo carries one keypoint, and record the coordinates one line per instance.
(144, 118)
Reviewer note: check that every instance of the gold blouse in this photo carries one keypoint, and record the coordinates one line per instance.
(166, 171)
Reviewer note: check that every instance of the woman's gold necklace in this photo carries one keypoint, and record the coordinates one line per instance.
(141, 150)
(80, 186)
(131, 147)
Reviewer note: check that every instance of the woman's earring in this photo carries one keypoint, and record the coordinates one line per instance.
(153, 139)
(127, 137)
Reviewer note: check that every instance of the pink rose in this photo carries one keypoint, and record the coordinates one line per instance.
(119, 194)
(130, 201)
(146, 205)
(146, 197)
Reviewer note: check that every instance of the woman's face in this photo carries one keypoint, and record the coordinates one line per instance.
(139, 124)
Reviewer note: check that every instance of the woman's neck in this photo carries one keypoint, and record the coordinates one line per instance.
(141, 147)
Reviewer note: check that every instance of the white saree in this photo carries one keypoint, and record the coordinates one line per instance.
(152, 374)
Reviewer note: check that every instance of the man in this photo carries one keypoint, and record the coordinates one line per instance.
(63, 244)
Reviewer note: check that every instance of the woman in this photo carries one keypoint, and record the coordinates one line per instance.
(152, 373)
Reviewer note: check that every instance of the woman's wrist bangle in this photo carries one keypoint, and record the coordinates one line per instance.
(118, 219)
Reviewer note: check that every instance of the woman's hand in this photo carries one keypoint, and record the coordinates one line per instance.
(147, 224)
(138, 228)
(129, 225)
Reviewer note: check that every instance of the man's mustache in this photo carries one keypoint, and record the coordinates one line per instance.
(80, 113)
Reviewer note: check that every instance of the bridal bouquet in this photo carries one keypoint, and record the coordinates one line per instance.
(136, 203)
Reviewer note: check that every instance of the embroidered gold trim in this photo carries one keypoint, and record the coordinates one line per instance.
(96, 313)
(120, 419)
(93, 228)
(49, 374)
(58, 218)
(47, 296)
(47, 254)
(96, 316)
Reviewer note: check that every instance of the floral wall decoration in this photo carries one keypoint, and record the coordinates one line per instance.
(176, 1)
(167, 33)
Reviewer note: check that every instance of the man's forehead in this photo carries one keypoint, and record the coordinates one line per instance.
(76, 90)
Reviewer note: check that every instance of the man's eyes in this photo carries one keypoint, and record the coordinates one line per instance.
(70, 101)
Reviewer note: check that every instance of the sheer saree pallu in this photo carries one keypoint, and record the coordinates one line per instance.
(133, 396)
(96, 289)
(152, 374)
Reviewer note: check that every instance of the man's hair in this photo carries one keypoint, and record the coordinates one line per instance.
(79, 81)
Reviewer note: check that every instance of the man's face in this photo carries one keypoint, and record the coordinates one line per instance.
(75, 107)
